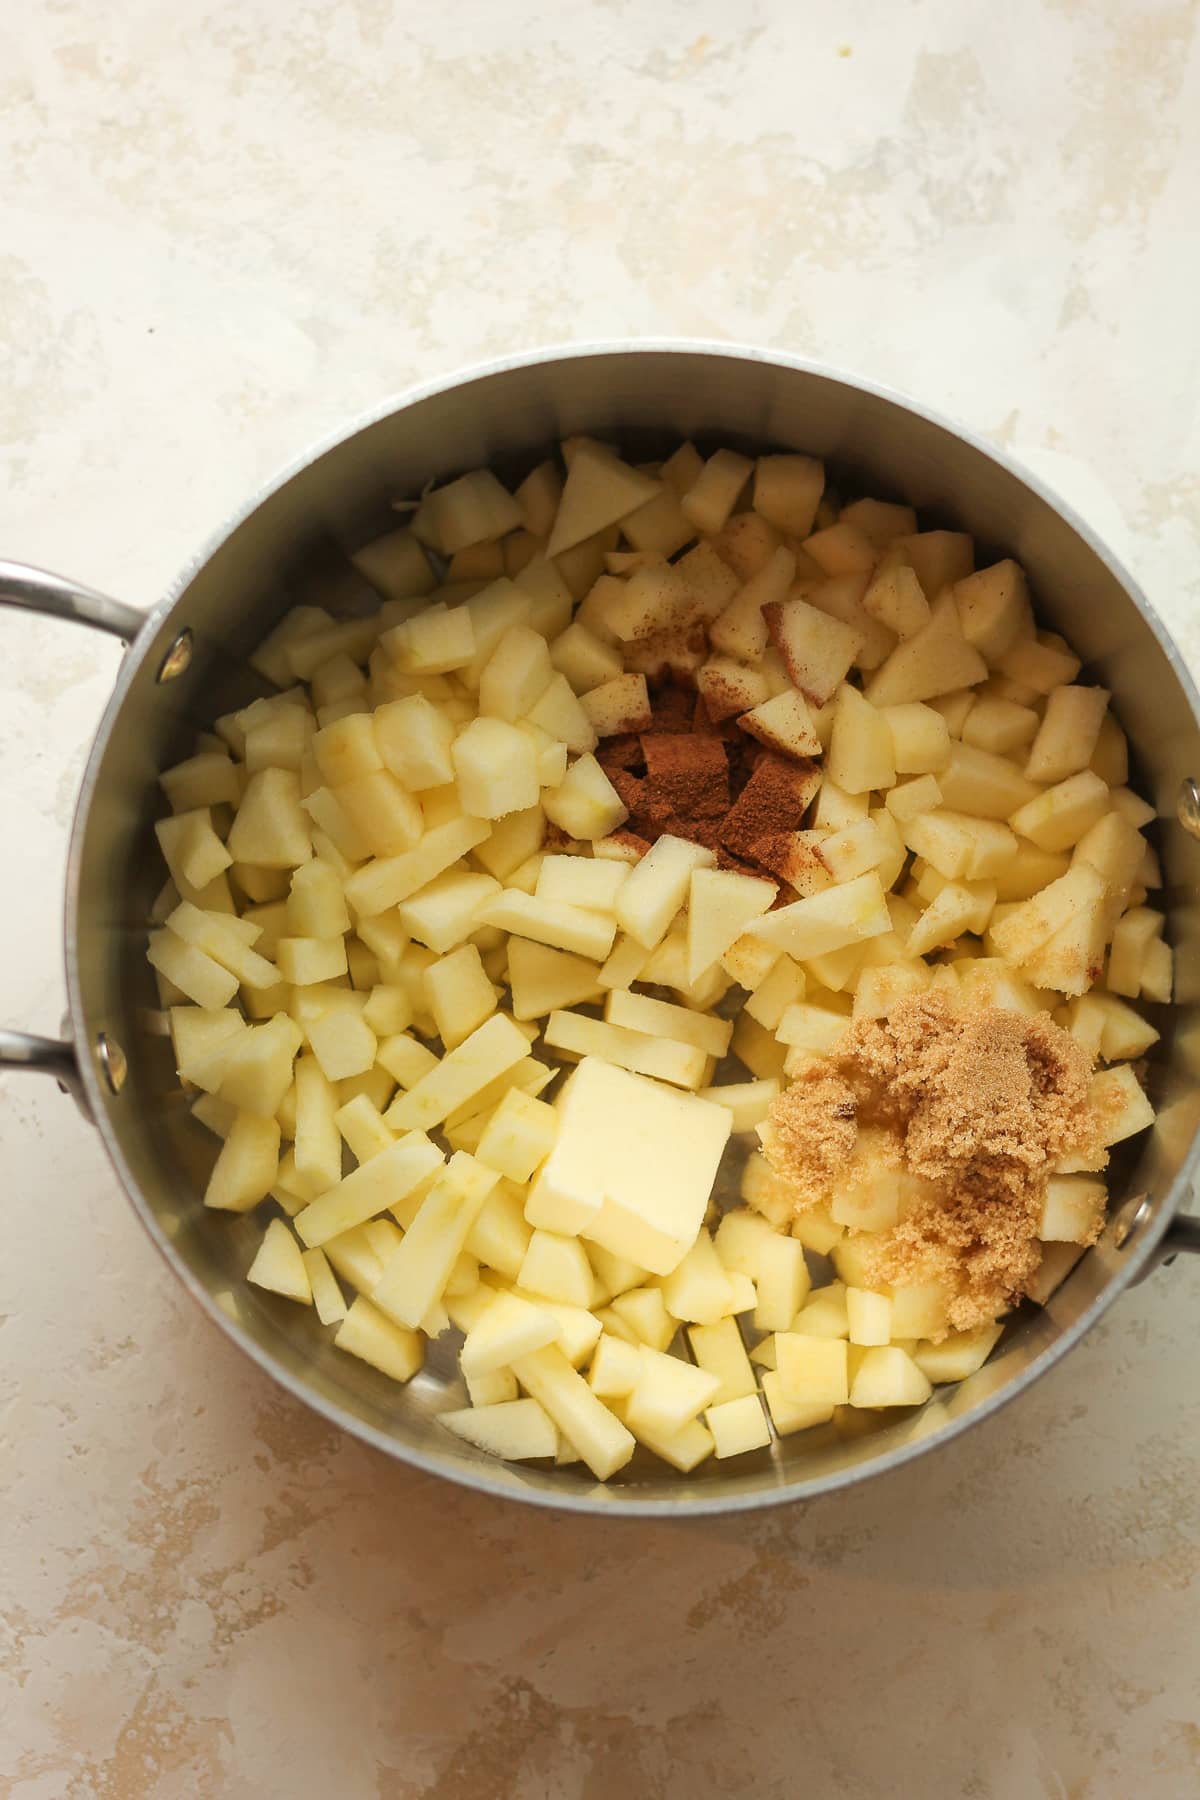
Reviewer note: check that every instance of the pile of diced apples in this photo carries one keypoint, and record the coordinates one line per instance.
(374, 968)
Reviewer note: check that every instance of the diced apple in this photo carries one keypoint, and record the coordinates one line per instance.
(781, 1282)
(1000, 726)
(669, 1393)
(811, 1029)
(960, 1354)
(416, 1273)
(1066, 739)
(982, 784)
(920, 738)
(1073, 957)
(327, 1295)
(740, 631)
(496, 768)
(993, 608)
(642, 1312)
(738, 1426)
(935, 660)
(258, 1070)
(508, 1326)
(791, 1415)
(369, 1189)
(431, 643)
(367, 1333)
(1028, 871)
(556, 1268)
(895, 596)
(576, 929)
(361, 1124)
(489, 1051)
(817, 649)
(1117, 1096)
(586, 660)
(470, 510)
(826, 921)
(560, 714)
(888, 1376)
(519, 1135)
(860, 755)
(279, 1265)
(517, 1430)
(868, 1316)
(1028, 926)
(244, 1172)
(680, 1064)
(1039, 664)
(697, 1289)
(959, 847)
(388, 880)
(658, 887)
(616, 1366)
(719, 1350)
(600, 489)
(500, 1235)
(585, 804)
(787, 489)
(714, 493)
(911, 799)
(599, 1436)
(192, 850)
(1059, 817)
(1132, 939)
(824, 1314)
(941, 558)
(619, 705)
(1072, 1210)
(811, 1371)
(1057, 1262)
(782, 986)
(1158, 973)
(452, 907)
(728, 687)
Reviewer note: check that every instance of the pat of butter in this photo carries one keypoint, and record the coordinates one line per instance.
(632, 1167)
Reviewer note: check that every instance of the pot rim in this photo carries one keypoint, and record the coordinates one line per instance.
(691, 1501)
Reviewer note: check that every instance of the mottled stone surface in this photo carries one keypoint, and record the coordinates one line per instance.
(226, 230)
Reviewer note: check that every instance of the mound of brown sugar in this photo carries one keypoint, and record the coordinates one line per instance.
(812, 1130)
(983, 1103)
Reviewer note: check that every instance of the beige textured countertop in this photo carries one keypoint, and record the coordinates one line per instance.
(227, 228)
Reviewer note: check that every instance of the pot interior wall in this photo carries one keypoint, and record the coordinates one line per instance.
(293, 546)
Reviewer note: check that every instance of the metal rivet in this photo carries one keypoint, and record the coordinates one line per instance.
(112, 1061)
(1132, 1216)
(178, 657)
(1189, 806)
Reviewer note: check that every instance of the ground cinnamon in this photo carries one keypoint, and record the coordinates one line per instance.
(981, 1104)
(709, 781)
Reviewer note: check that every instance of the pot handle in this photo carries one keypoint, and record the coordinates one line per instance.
(1181, 1238)
(38, 591)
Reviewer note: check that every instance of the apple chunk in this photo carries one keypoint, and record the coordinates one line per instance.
(817, 650)
(721, 906)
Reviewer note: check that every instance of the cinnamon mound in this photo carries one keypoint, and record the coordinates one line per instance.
(982, 1103)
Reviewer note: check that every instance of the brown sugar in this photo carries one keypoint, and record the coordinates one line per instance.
(812, 1132)
(982, 1103)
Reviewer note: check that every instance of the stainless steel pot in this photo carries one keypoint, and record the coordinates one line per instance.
(186, 664)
